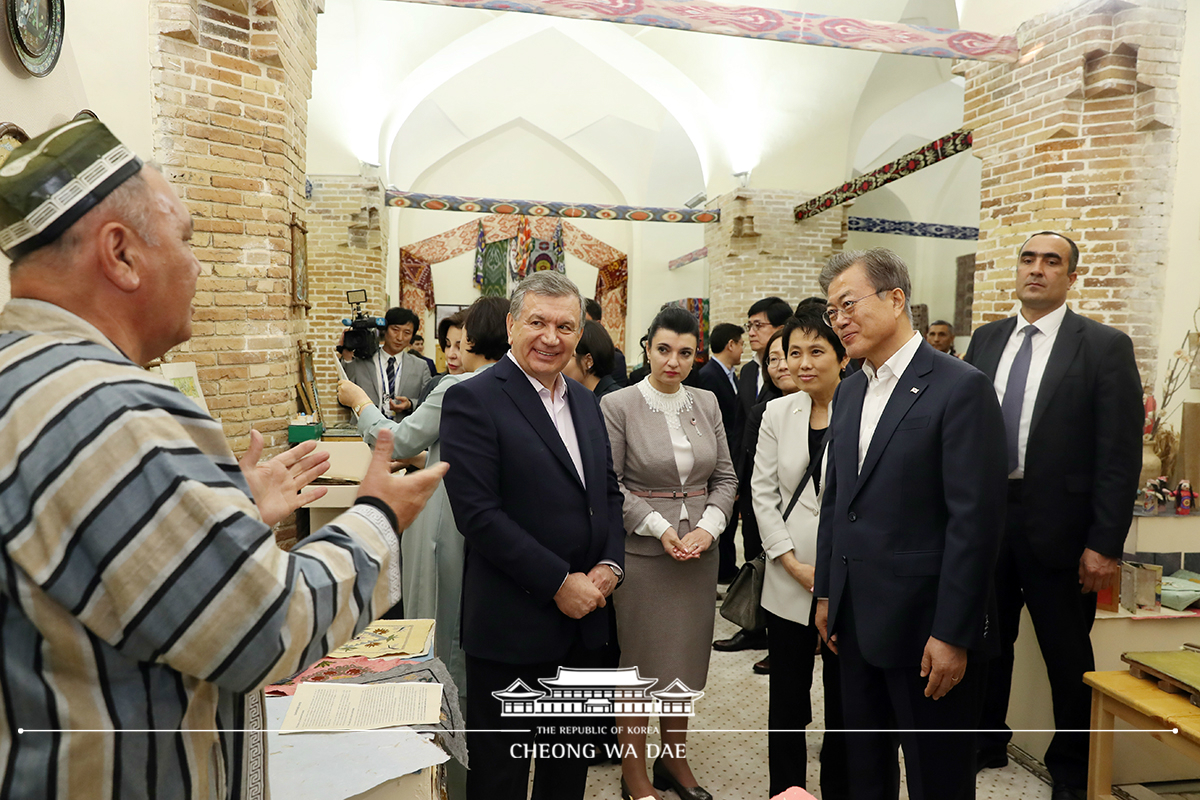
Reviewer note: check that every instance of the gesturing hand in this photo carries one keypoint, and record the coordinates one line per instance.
(277, 484)
(405, 493)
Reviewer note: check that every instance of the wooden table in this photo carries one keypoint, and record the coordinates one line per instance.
(1139, 702)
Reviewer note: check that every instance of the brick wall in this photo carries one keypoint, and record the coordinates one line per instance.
(346, 250)
(1082, 139)
(758, 250)
(231, 83)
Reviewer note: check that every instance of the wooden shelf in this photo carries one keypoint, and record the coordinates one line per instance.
(1173, 534)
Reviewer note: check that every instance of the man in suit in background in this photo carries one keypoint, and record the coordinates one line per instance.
(718, 376)
(391, 376)
(1072, 403)
(911, 520)
(535, 495)
(764, 318)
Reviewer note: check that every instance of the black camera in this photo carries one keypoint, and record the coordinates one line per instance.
(362, 332)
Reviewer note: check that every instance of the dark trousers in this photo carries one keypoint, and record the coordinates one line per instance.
(727, 568)
(499, 746)
(751, 539)
(887, 708)
(1062, 619)
(792, 650)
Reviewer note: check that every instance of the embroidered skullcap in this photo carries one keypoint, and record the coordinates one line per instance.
(49, 182)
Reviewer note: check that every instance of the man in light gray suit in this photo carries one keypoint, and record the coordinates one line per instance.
(392, 377)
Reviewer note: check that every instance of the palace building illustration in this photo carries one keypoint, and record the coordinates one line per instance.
(587, 692)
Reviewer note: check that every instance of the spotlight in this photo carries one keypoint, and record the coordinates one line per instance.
(743, 178)
(697, 200)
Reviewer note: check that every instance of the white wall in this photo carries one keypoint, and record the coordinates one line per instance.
(104, 66)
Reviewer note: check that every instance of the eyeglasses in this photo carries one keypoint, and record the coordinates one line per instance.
(847, 308)
(757, 325)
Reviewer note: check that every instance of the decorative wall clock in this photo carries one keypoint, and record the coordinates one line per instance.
(35, 28)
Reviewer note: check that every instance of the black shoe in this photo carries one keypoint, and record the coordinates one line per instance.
(763, 667)
(663, 779)
(990, 759)
(742, 640)
(1063, 792)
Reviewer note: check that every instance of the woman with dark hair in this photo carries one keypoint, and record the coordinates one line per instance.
(593, 362)
(672, 460)
(450, 333)
(432, 546)
(791, 438)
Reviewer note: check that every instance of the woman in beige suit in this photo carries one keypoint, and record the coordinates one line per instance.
(791, 437)
(672, 460)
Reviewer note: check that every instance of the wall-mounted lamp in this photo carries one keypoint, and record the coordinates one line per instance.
(743, 179)
(699, 198)
(368, 170)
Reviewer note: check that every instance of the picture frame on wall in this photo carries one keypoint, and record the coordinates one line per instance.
(308, 379)
(299, 263)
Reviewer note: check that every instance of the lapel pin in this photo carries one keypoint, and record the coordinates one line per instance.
(915, 390)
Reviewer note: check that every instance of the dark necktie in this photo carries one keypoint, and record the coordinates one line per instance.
(391, 375)
(1014, 394)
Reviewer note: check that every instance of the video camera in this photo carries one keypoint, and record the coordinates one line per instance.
(362, 333)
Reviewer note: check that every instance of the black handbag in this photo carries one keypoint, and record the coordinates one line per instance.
(743, 601)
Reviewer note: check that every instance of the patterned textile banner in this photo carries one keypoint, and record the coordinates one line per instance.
(937, 150)
(519, 250)
(557, 250)
(902, 228)
(542, 257)
(477, 279)
(695, 255)
(495, 269)
(536, 208)
(416, 282)
(612, 285)
(456, 241)
(705, 16)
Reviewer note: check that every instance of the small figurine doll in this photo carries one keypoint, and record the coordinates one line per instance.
(1185, 498)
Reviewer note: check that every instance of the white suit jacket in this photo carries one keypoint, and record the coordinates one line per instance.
(779, 463)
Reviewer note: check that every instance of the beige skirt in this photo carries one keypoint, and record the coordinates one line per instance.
(665, 614)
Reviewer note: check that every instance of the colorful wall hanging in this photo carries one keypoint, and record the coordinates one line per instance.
(495, 269)
(903, 228)
(698, 308)
(750, 22)
(418, 256)
(477, 278)
(536, 208)
(938, 150)
(695, 255)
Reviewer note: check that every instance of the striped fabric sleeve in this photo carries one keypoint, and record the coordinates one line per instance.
(124, 505)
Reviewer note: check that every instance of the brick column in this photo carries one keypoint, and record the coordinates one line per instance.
(758, 250)
(231, 83)
(1081, 139)
(346, 250)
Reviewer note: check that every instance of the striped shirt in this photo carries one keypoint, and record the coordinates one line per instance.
(140, 590)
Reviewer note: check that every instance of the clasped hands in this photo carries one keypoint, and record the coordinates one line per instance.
(692, 545)
(581, 594)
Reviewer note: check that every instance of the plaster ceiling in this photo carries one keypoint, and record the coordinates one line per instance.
(654, 115)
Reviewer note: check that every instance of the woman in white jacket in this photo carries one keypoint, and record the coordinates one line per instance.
(791, 438)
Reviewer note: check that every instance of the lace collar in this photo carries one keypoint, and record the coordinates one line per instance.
(669, 405)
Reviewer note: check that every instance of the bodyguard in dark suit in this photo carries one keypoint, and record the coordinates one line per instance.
(718, 376)
(535, 495)
(911, 520)
(1072, 403)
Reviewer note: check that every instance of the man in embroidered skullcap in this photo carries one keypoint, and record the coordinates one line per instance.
(143, 601)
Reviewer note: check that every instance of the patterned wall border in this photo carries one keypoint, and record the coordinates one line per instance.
(903, 228)
(535, 208)
(695, 255)
(705, 16)
(938, 150)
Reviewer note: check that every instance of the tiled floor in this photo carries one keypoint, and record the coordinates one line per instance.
(733, 766)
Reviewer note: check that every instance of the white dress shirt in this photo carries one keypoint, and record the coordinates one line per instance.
(880, 385)
(758, 386)
(381, 359)
(729, 373)
(1039, 356)
(559, 410)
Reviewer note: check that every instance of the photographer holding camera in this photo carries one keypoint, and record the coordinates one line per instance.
(391, 377)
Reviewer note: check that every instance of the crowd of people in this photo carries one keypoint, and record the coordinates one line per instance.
(907, 503)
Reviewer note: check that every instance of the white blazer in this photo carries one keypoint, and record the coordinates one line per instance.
(779, 463)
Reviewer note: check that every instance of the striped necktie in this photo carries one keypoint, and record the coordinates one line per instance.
(391, 376)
